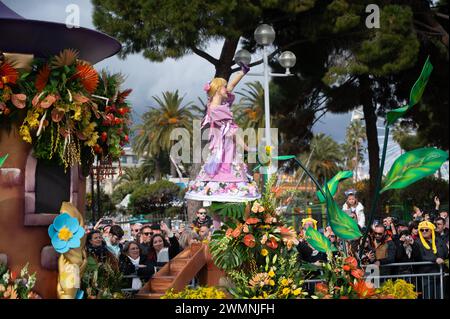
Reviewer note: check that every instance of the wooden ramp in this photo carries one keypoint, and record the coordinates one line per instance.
(179, 272)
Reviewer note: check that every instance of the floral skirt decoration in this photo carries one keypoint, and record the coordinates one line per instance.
(222, 191)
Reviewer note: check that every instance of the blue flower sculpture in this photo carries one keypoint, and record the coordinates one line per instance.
(65, 233)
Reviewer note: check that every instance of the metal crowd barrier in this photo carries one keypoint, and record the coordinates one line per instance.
(428, 285)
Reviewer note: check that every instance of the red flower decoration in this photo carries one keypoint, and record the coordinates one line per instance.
(352, 262)
(8, 74)
(252, 221)
(272, 243)
(363, 289)
(42, 78)
(249, 240)
(19, 100)
(88, 76)
(237, 231)
(321, 287)
(357, 273)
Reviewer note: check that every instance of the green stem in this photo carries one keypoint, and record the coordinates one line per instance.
(376, 197)
(312, 177)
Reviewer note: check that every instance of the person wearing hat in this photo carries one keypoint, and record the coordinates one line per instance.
(354, 208)
(429, 247)
(306, 253)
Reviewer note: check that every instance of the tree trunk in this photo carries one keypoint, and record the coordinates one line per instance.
(371, 132)
(157, 173)
(223, 67)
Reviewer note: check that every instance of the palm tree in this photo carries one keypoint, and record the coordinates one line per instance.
(129, 175)
(249, 112)
(355, 136)
(153, 136)
(326, 158)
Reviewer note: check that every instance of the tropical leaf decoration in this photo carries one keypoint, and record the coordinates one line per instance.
(234, 210)
(225, 255)
(413, 166)
(415, 94)
(3, 159)
(341, 223)
(333, 184)
(319, 241)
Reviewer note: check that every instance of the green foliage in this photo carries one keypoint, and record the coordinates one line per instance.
(3, 159)
(107, 205)
(123, 190)
(233, 210)
(341, 223)
(318, 241)
(227, 254)
(326, 157)
(156, 196)
(413, 166)
(415, 95)
(172, 28)
(101, 280)
(333, 184)
(282, 279)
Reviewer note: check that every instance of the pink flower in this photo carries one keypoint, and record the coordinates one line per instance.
(206, 87)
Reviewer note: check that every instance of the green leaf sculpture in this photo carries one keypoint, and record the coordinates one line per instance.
(3, 159)
(318, 241)
(415, 95)
(234, 210)
(333, 184)
(341, 223)
(413, 166)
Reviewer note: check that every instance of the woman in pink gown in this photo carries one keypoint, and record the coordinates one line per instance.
(223, 177)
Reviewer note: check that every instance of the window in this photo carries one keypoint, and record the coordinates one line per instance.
(135, 159)
(123, 159)
(52, 187)
(46, 186)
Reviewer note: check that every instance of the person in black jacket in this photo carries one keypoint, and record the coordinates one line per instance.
(163, 247)
(431, 248)
(96, 248)
(384, 249)
(133, 263)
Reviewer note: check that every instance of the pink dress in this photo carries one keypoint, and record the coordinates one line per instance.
(224, 176)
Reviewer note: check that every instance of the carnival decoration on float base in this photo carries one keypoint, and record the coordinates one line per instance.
(68, 238)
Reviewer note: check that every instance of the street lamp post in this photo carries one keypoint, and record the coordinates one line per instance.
(264, 36)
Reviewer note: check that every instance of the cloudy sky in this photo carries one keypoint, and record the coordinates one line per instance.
(147, 78)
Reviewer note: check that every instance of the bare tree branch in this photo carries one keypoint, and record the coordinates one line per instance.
(205, 56)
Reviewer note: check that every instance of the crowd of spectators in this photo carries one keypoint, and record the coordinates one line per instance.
(390, 241)
(147, 248)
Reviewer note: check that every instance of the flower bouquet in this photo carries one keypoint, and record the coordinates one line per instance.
(60, 120)
(13, 286)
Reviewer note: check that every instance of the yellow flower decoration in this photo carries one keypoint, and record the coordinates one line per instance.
(271, 282)
(286, 291)
(264, 252)
(284, 282)
(271, 274)
(297, 292)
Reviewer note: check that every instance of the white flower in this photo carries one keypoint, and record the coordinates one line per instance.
(6, 277)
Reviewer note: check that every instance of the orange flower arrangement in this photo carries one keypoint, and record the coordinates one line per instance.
(249, 240)
(363, 289)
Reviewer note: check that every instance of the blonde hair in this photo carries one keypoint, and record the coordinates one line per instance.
(431, 227)
(214, 85)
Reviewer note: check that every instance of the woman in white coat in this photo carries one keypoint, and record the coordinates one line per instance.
(354, 208)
